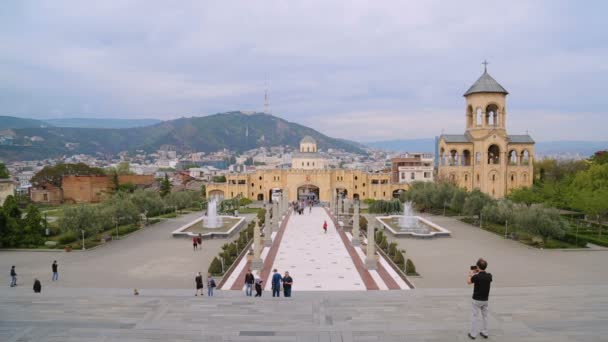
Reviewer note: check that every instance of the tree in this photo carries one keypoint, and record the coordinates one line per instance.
(11, 208)
(83, 217)
(528, 196)
(589, 193)
(203, 191)
(457, 201)
(32, 227)
(215, 267)
(165, 186)
(410, 269)
(543, 222)
(8, 229)
(475, 203)
(219, 179)
(600, 157)
(119, 208)
(4, 171)
(54, 174)
(148, 202)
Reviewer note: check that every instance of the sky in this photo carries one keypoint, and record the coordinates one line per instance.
(361, 70)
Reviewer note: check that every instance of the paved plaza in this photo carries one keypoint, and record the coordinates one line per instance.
(149, 258)
(537, 295)
(444, 262)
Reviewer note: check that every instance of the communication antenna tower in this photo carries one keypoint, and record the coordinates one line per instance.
(267, 98)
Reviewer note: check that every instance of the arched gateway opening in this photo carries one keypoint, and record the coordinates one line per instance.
(308, 192)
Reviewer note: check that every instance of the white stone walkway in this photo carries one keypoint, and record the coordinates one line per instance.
(317, 261)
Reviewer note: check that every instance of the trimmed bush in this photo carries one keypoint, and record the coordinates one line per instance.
(392, 249)
(67, 237)
(399, 260)
(216, 267)
(410, 269)
(232, 250)
(362, 223)
(384, 244)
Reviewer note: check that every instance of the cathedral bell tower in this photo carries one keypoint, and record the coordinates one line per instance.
(486, 107)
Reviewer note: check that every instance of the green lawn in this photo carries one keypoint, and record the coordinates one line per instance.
(522, 237)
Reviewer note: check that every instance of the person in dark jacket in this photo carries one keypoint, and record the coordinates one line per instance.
(37, 286)
(198, 280)
(210, 285)
(13, 277)
(287, 282)
(249, 280)
(54, 268)
(276, 284)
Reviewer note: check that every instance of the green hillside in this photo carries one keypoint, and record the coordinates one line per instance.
(10, 122)
(233, 130)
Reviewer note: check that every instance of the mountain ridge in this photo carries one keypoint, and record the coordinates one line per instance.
(232, 130)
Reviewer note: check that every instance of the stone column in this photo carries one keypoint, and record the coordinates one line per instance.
(355, 231)
(370, 259)
(267, 227)
(275, 216)
(257, 263)
(347, 207)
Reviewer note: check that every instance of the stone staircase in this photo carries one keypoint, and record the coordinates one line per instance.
(517, 314)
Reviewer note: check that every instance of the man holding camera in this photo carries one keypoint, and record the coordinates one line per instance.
(481, 291)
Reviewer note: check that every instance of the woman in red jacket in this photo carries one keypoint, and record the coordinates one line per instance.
(194, 242)
(325, 227)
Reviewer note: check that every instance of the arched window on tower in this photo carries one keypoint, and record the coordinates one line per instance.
(469, 116)
(525, 157)
(493, 154)
(466, 158)
(479, 118)
(442, 156)
(492, 115)
(453, 158)
(513, 157)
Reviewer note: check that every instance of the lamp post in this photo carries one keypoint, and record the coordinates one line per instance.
(46, 227)
(506, 227)
(82, 230)
(116, 228)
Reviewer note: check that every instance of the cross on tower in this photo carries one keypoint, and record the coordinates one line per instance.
(485, 65)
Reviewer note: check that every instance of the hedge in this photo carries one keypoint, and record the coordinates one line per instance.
(410, 269)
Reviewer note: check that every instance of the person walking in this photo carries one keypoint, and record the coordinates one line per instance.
(198, 280)
(258, 287)
(287, 282)
(481, 291)
(54, 268)
(194, 243)
(210, 285)
(276, 283)
(249, 280)
(13, 277)
(37, 286)
(325, 227)
(199, 239)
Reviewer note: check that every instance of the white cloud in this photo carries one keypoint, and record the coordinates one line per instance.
(330, 62)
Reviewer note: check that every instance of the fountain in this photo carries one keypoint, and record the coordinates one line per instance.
(213, 220)
(211, 225)
(408, 219)
(412, 225)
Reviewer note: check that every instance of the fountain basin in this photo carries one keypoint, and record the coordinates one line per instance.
(230, 225)
(425, 229)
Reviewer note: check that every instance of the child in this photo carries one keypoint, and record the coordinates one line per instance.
(210, 285)
(258, 287)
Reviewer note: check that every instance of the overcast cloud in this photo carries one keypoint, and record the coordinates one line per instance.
(363, 70)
